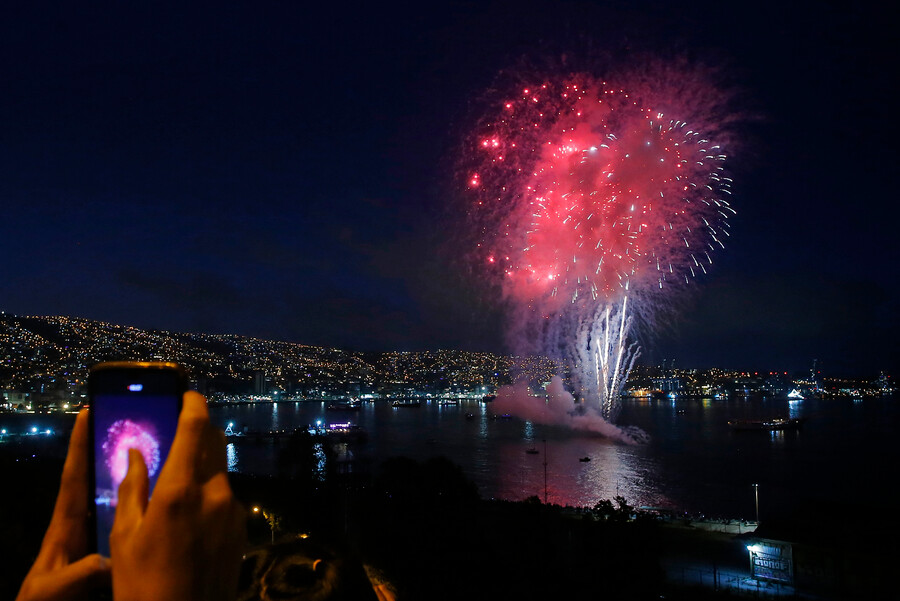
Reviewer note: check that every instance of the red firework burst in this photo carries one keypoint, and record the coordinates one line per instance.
(585, 190)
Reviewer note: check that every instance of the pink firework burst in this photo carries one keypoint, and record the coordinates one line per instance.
(585, 190)
(123, 435)
(593, 199)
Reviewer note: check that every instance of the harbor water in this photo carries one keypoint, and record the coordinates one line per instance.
(693, 461)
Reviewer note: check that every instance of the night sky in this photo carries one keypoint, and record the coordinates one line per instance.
(286, 171)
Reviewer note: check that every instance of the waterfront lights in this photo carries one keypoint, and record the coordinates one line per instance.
(34, 429)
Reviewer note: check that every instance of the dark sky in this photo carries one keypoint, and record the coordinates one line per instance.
(287, 171)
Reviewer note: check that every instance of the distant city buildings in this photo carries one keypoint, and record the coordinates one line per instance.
(44, 362)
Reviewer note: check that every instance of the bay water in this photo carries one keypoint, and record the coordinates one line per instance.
(844, 454)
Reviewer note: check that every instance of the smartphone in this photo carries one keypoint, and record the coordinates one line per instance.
(132, 405)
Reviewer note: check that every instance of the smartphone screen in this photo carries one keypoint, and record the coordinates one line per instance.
(133, 406)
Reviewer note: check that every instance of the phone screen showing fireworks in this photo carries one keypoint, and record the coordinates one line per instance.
(131, 409)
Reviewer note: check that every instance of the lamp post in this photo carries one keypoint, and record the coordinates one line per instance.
(756, 496)
(272, 518)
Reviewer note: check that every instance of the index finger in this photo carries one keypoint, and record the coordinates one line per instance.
(186, 449)
(68, 526)
(71, 503)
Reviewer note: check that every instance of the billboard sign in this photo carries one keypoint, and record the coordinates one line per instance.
(771, 560)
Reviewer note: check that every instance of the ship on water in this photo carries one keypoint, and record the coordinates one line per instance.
(345, 405)
(773, 424)
(407, 403)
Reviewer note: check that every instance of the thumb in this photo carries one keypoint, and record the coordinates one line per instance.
(73, 581)
(133, 494)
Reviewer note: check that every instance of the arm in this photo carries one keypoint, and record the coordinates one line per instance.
(61, 570)
(185, 543)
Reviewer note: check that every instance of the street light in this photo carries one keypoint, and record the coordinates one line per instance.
(273, 519)
(756, 495)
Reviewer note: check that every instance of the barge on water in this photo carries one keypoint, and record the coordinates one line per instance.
(768, 425)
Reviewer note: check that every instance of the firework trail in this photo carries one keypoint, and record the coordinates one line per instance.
(594, 199)
(604, 356)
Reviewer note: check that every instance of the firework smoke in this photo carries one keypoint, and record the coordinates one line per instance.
(595, 199)
(559, 408)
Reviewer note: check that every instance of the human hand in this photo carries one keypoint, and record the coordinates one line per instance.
(61, 571)
(186, 543)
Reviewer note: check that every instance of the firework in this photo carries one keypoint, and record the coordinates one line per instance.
(123, 435)
(595, 188)
(604, 356)
(592, 195)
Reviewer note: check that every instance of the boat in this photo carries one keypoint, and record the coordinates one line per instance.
(584, 459)
(344, 406)
(532, 451)
(340, 432)
(488, 398)
(777, 423)
(407, 403)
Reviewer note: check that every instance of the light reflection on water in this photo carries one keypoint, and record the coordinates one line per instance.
(483, 417)
(693, 460)
(231, 456)
(489, 449)
(612, 469)
(319, 454)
